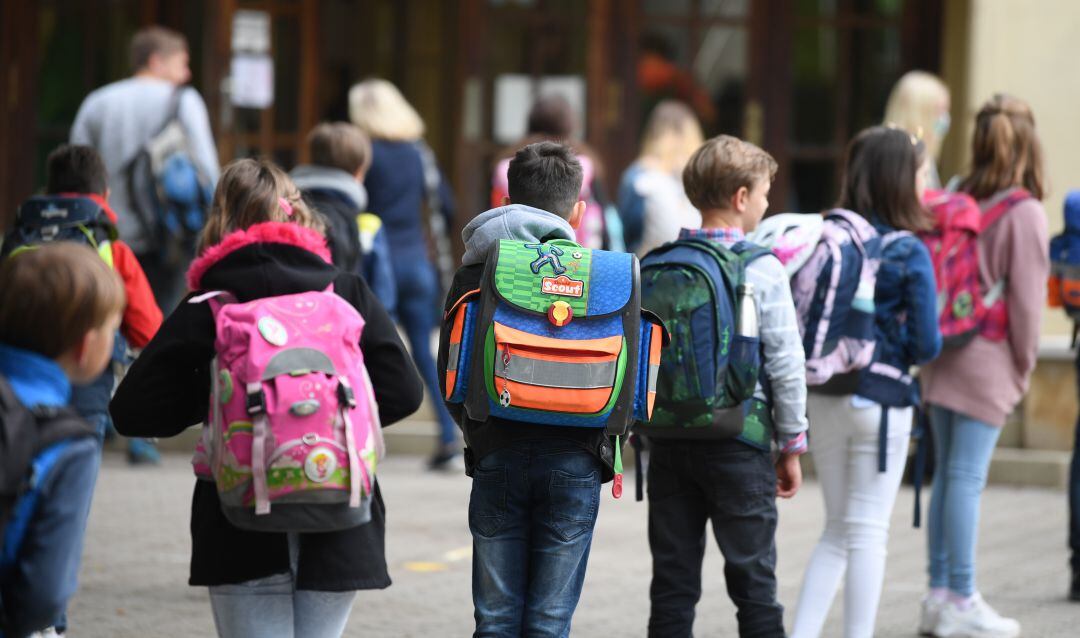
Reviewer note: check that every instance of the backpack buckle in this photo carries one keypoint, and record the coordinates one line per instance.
(256, 402)
(346, 395)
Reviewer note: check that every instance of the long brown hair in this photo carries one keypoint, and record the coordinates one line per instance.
(250, 192)
(1005, 150)
(879, 177)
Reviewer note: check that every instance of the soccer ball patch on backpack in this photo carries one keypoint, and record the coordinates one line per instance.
(293, 435)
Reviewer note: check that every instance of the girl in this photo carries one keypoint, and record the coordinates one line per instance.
(260, 241)
(651, 196)
(883, 182)
(971, 390)
(919, 104)
(401, 181)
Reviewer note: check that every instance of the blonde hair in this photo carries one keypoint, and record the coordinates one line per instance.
(378, 107)
(915, 106)
(671, 135)
(1005, 150)
(53, 295)
(250, 192)
(722, 166)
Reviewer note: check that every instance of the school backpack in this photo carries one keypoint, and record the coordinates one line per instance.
(964, 310)
(31, 443)
(293, 436)
(834, 302)
(168, 191)
(47, 218)
(711, 369)
(555, 335)
(792, 237)
(1065, 262)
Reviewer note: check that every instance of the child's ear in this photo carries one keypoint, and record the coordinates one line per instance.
(361, 173)
(577, 215)
(740, 199)
(506, 200)
(108, 192)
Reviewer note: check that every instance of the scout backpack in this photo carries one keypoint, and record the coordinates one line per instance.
(293, 434)
(31, 443)
(1065, 261)
(964, 309)
(47, 218)
(710, 371)
(834, 302)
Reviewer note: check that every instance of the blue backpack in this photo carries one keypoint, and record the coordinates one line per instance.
(555, 335)
(47, 218)
(710, 372)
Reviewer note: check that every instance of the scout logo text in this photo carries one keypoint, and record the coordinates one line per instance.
(562, 285)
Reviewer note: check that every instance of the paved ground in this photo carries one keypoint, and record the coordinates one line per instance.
(134, 573)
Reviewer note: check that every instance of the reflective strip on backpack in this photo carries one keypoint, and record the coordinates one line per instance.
(556, 374)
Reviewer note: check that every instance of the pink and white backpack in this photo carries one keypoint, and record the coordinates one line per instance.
(293, 434)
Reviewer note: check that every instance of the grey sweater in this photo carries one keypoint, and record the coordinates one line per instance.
(119, 118)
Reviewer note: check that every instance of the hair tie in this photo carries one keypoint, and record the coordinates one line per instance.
(285, 206)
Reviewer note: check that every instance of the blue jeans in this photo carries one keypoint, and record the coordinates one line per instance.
(272, 607)
(532, 512)
(1074, 490)
(417, 292)
(962, 449)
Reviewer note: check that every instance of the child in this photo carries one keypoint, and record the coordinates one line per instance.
(883, 181)
(261, 240)
(536, 488)
(60, 306)
(78, 171)
(971, 390)
(333, 184)
(728, 481)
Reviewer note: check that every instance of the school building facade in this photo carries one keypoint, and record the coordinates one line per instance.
(798, 77)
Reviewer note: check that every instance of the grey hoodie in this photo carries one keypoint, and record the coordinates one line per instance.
(310, 176)
(516, 221)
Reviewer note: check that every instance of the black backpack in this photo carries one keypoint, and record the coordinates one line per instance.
(24, 435)
(48, 218)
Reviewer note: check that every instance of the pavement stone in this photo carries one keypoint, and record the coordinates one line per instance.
(134, 575)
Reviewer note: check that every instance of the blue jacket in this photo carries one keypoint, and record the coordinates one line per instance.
(35, 587)
(906, 323)
(396, 193)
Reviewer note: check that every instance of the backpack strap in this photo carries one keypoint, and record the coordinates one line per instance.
(217, 299)
(1004, 204)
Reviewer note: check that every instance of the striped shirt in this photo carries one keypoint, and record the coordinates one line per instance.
(785, 361)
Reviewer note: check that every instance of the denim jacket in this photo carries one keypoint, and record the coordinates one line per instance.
(906, 321)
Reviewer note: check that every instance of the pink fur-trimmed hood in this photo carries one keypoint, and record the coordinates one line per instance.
(265, 233)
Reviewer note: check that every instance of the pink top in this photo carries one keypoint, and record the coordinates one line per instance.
(986, 379)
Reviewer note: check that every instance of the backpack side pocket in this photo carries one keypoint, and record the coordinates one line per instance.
(462, 320)
(654, 336)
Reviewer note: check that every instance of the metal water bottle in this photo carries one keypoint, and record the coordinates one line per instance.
(747, 323)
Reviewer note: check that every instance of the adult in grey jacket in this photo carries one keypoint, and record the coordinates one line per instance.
(120, 118)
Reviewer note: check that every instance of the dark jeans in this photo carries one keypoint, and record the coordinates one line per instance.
(532, 512)
(734, 486)
(1074, 489)
(417, 290)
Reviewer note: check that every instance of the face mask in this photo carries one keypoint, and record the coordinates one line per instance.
(941, 125)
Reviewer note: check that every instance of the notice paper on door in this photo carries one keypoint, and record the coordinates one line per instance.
(252, 81)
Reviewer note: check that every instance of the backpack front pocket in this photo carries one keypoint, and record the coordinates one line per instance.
(572, 376)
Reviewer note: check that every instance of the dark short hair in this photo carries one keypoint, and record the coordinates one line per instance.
(51, 296)
(155, 40)
(722, 166)
(73, 168)
(879, 177)
(545, 175)
(340, 145)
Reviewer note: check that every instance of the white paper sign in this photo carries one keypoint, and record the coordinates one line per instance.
(252, 81)
(515, 94)
(251, 31)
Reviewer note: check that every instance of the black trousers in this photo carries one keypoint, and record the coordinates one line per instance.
(734, 486)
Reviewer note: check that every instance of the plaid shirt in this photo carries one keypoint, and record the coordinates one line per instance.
(722, 235)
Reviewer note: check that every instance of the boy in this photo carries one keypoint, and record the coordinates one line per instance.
(727, 481)
(78, 171)
(60, 306)
(333, 184)
(535, 488)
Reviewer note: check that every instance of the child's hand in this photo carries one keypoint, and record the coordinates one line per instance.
(788, 475)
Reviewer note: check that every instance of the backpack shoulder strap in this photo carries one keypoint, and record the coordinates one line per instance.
(1003, 205)
(217, 299)
(749, 252)
(58, 424)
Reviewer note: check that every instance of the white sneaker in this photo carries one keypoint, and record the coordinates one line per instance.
(978, 621)
(931, 613)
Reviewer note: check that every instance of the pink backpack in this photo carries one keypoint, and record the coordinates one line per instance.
(293, 435)
(964, 309)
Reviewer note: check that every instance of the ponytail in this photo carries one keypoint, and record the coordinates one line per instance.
(1006, 152)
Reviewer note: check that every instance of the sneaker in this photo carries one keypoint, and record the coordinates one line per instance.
(1074, 591)
(979, 620)
(931, 613)
(143, 452)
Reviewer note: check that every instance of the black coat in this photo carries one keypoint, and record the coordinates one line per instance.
(168, 390)
(342, 234)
